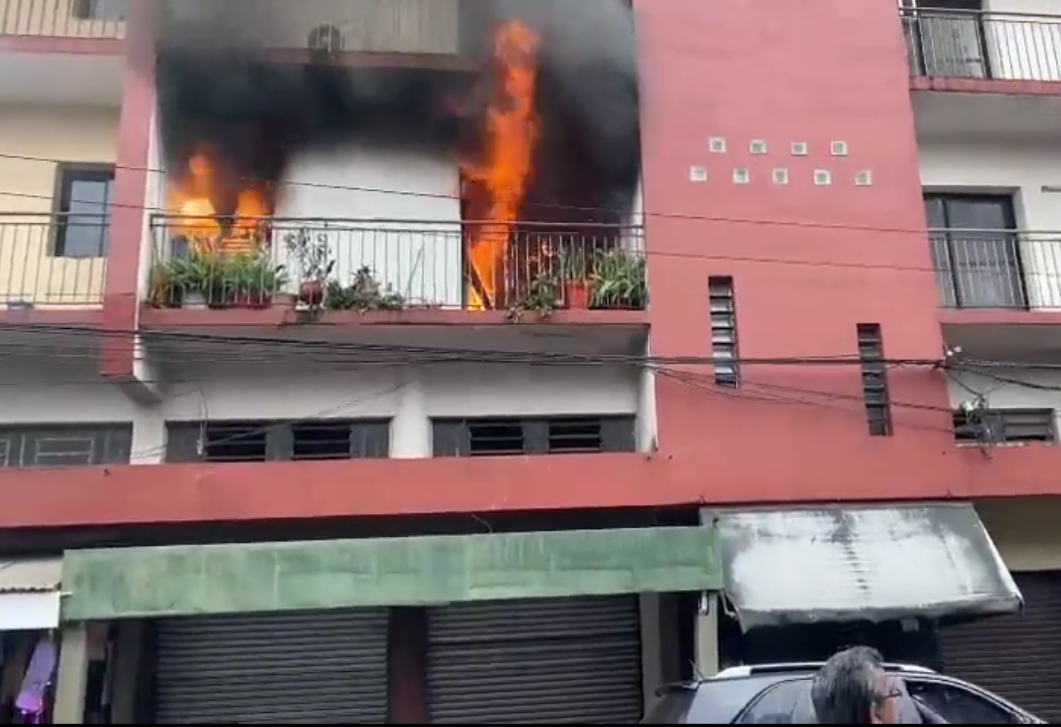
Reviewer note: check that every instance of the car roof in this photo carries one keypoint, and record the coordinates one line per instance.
(749, 670)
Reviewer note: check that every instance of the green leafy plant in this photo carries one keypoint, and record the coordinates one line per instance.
(619, 280)
(364, 294)
(541, 297)
(221, 281)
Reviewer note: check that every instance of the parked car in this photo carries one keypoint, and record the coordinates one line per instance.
(780, 694)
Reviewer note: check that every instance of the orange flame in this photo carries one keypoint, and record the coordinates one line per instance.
(193, 199)
(511, 133)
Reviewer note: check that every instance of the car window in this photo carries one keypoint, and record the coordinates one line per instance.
(776, 704)
(958, 705)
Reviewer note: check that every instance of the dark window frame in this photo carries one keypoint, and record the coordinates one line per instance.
(368, 439)
(66, 176)
(454, 437)
(110, 443)
(944, 240)
(90, 10)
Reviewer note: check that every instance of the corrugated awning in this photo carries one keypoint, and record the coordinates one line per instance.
(860, 563)
(29, 593)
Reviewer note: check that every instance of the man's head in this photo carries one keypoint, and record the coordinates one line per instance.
(852, 688)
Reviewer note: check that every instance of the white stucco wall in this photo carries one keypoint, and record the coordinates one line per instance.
(410, 241)
(410, 398)
(1001, 166)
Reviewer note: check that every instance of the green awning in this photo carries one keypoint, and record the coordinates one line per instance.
(210, 579)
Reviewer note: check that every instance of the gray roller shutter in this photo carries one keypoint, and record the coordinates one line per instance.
(1019, 656)
(308, 667)
(536, 662)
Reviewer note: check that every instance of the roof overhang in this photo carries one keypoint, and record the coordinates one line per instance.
(30, 594)
(204, 579)
(860, 563)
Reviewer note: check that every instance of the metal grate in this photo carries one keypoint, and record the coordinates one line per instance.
(494, 437)
(724, 331)
(874, 380)
(235, 442)
(569, 436)
(1005, 426)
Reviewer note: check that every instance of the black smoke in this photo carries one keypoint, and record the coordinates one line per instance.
(220, 91)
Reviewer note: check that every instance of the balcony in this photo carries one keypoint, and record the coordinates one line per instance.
(983, 45)
(79, 19)
(1000, 290)
(280, 272)
(52, 262)
(1002, 71)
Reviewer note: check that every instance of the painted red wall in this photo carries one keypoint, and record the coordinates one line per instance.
(813, 71)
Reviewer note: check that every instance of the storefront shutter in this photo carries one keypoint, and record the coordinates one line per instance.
(308, 667)
(536, 662)
(1017, 656)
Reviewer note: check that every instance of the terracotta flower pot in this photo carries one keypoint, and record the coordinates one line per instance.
(577, 294)
(311, 292)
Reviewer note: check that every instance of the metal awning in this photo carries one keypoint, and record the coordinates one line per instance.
(860, 563)
(30, 594)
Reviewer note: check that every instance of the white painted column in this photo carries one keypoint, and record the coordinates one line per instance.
(72, 677)
(411, 425)
(707, 656)
(646, 409)
(149, 436)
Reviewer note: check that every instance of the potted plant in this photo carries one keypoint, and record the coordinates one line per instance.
(619, 280)
(193, 277)
(578, 287)
(364, 294)
(541, 297)
(315, 264)
(252, 280)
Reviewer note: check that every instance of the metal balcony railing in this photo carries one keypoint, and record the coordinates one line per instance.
(393, 265)
(54, 261)
(981, 268)
(982, 44)
(103, 19)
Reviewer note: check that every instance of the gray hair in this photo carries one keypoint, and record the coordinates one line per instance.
(846, 690)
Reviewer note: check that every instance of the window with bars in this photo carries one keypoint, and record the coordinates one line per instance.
(874, 379)
(724, 331)
(499, 437)
(261, 441)
(65, 446)
(1005, 426)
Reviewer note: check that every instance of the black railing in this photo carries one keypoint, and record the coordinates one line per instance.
(982, 44)
(373, 264)
(50, 260)
(983, 268)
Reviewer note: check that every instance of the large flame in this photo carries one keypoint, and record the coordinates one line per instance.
(193, 200)
(511, 133)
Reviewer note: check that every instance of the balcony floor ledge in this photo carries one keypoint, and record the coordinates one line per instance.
(986, 85)
(65, 46)
(276, 317)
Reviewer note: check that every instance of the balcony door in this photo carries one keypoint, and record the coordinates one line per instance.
(951, 39)
(975, 251)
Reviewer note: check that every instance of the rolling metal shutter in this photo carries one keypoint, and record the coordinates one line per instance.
(307, 667)
(1017, 657)
(536, 662)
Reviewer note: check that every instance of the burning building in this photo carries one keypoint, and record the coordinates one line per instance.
(542, 125)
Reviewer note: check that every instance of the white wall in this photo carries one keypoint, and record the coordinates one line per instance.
(1021, 168)
(411, 398)
(411, 241)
